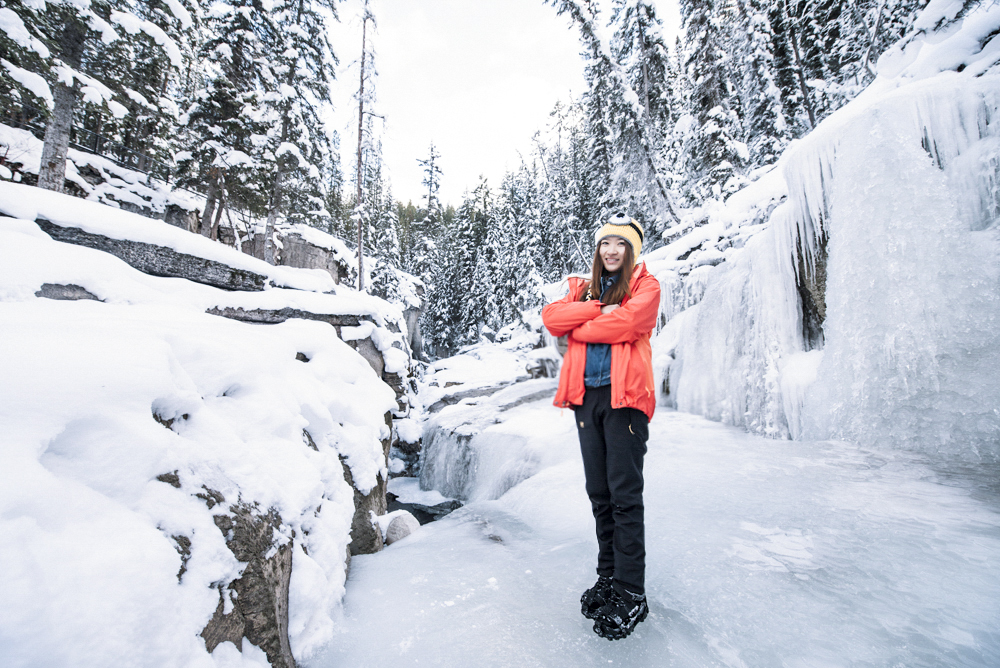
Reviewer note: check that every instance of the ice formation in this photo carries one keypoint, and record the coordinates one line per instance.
(899, 192)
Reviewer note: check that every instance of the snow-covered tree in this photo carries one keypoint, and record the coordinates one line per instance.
(52, 53)
(299, 148)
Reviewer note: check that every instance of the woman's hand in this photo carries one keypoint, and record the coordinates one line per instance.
(608, 308)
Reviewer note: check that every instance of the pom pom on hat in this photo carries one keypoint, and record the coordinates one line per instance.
(620, 225)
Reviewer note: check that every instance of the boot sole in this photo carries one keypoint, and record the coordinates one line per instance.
(618, 633)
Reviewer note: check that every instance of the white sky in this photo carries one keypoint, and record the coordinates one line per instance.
(476, 77)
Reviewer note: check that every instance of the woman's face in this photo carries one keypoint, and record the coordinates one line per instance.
(612, 252)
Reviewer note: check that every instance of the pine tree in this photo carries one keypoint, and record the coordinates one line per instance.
(63, 40)
(385, 279)
(424, 232)
(299, 149)
(712, 150)
(765, 124)
(612, 103)
(228, 115)
(639, 48)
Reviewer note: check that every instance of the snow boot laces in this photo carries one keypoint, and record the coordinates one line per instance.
(617, 618)
(594, 598)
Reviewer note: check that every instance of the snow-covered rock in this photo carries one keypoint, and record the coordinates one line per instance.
(401, 526)
(170, 474)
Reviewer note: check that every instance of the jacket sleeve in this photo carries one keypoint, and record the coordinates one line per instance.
(628, 323)
(562, 316)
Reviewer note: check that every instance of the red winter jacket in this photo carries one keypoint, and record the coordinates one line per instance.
(627, 329)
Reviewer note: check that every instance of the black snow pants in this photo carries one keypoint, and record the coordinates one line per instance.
(613, 443)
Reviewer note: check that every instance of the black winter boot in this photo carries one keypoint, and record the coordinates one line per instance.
(618, 617)
(594, 598)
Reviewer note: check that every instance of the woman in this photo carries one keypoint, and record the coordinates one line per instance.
(607, 377)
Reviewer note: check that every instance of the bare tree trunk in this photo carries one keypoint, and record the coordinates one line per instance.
(799, 69)
(361, 118)
(218, 214)
(52, 170)
(272, 215)
(213, 191)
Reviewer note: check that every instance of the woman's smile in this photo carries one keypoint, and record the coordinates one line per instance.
(612, 252)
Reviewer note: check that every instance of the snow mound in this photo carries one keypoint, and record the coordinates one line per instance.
(126, 411)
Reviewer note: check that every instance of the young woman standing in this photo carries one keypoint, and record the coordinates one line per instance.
(607, 377)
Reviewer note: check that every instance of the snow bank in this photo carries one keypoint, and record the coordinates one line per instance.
(104, 401)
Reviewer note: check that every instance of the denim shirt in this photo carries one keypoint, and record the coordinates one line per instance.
(598, 370)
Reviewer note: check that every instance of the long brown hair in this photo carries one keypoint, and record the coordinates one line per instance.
(617, 292)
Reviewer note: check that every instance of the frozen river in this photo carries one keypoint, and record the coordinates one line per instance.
(760, 553)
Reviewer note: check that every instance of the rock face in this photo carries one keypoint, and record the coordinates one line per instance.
(182, 218)
(366, 537)
(296, 251)
(258, 600)
(69, 292)
(159, 260)
(811, 284)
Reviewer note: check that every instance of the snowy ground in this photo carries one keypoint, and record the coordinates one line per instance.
(760, 553)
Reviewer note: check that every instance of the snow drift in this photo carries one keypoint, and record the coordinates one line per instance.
(130, 414)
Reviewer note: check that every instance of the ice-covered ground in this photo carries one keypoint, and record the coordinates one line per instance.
(760, 553)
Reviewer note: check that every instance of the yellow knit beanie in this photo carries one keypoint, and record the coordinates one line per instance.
(629, 229)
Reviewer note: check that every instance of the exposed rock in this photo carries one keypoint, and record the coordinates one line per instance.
(414, 337)
(259, 598)
(400, 527)
(182, 218)
(423, 514)
(295, 251)
(169, 422)
(811, 284)
(454, 398)
(275, 316)
(366, 537)
(65, 292)
(171, 479)
(160, 260)
(183, 546)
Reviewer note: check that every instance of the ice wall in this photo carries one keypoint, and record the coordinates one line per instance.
(912, 352)
(904, 183)
(732, 343)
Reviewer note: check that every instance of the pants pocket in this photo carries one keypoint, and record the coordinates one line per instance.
(638, 426)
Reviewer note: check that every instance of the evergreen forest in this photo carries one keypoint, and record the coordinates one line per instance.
(229, 100)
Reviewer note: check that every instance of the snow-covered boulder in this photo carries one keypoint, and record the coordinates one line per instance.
(221, 463)
(401, 526)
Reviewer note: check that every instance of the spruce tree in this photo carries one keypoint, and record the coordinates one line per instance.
(300, 152)
(59, 49)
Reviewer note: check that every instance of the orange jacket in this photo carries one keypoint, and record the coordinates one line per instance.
(627, 329)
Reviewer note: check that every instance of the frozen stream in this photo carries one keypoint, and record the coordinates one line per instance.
(760, 553)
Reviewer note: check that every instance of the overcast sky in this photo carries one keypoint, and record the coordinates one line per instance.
(476, 77)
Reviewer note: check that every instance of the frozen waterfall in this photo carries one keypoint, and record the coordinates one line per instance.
(897, 196)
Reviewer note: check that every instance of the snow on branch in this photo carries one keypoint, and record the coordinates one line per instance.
(11, 24)
(94, 92)
(179, 11)
(31, 81)
(133, 25)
